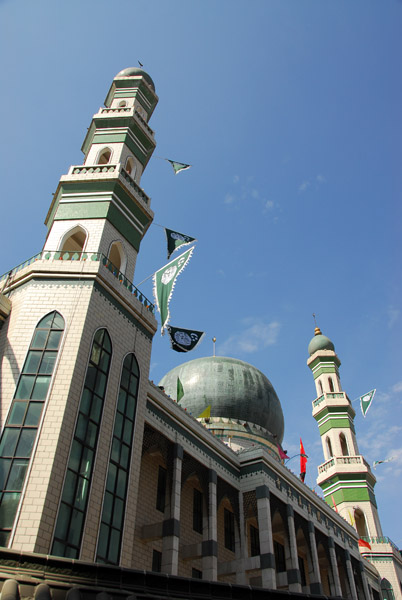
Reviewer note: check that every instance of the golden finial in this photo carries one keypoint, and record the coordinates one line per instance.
(214, 340)
(317, 330)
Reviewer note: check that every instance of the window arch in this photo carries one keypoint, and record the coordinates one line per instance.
(331, 384)
(74, 240)
(117, 256)
(344, 445)
(114, 503)
(386, 590)
(360, 521)
(74, 500)
(329, 448)
(122, 103)
(131, 167)
(20, 432)
(104, 156)
(320, 388)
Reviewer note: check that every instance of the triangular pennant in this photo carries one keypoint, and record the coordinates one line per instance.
(164, 282)
(176, 240)
(178, 166)
(184, 340)
(205, 413)
(365, 401)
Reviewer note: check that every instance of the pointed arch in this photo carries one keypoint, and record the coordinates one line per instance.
(131, 167)
(360, 522)
(74, 240)
(386, 590)
(344, 444)
(104, 156)
(331, 384)
(320, 388)
(117, 256)
(329, 448)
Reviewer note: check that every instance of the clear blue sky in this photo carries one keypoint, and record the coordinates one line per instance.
(290, 112)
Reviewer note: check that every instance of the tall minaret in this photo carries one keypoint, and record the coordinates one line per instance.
(345, 477)
(75, 349)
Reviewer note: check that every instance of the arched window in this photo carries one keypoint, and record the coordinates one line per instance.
(22, 423)
(74, 500)
(104, 156)
(114, 503)
(387, 593)
(329, 448)
(74, 240)
(117, 256)
(320, 387)
(331, 384)
(131, 167)
(122, 103)
(344, 445)
(360, 521)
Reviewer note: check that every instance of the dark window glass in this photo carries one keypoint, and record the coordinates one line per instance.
(197, 511)
(19, 435)
(110, 536)
(196, 573)
(254, 541)
(302, 571)
(161, 489)
(74, 500)
(156, 561)
(279, 552)
(229, 524)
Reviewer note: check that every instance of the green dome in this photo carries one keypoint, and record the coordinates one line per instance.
(320, 342)
(136, 72)
(233, 388)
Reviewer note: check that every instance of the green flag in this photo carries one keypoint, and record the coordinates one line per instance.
(175, 240)
(164, 282)
(178, 166)
(365, 401)
(180, 390)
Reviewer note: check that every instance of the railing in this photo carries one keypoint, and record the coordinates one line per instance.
(135, 186)
(319, 400)
(329, 396)
(83, 256)
(137, 114)
(127, 109)
(342, 460)
(118, 109)
(82, 170)
(379, 540)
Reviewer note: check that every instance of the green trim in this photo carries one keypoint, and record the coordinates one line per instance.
(102, 137)
(349, 495)
(332, 360)
(334, 423)
(324, 370)
(191, 438)
(114, 302)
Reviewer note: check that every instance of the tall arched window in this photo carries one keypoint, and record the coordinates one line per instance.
(321, 391)
(387, 593)
(104, 156)
(131, 167)
(74, 500)
(117, 256)
(74, 240)
(114, 503)
(344, 445)
(329, 448)
(360, 521)
(22, 423)
(331, 384)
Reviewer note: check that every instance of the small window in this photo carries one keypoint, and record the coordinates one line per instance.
(344, 445)
(161, 490)
(229, 530)
(197, 511)
(117, 256)
(74, 240)
(196, 573)
(331, 384)
(105, 156)
(279, 552)
(320, 387)
(156, 561)
(254, 541)
(131, 167)
(122, 103)
(329, 448)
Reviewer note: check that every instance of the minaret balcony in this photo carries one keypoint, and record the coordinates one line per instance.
(126, 111)
(331, 399)
(342, 464)
(107, 172)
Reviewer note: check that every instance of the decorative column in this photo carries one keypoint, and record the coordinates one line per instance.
(351, 578)
(210, 545)
(364, 580)
(294, 578)
(267, 558)
(334, 567)
(240, 571)
(171, 526)
(315, 585)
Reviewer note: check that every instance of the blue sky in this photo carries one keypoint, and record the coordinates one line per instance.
(289, 111)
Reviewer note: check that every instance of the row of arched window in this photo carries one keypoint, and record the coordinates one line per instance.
(343, 445)
(105, 156)
(330, 385)
(75, 240)
(20, 435)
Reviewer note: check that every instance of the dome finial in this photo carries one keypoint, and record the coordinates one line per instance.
(317, 330)
(214, 341)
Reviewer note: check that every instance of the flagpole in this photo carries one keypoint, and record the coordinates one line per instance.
(214, 340)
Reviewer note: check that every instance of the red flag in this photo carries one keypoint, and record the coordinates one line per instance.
(303, 461)
(333, 502)
(364, 544)
(282, 454)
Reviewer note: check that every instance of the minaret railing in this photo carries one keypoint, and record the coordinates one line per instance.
(79, 257)
(342, 460)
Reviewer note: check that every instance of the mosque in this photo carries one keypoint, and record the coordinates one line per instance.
(110, 488)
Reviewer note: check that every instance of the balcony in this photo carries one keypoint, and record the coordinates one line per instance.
(332, 399)
(72, 257)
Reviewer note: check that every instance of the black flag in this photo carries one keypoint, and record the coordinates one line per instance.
(184, 340)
